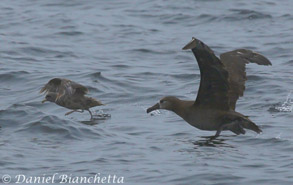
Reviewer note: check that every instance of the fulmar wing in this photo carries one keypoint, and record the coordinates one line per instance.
(73, 88)
(214, 85)
(235, 62)
(64, 87)
(52, 86)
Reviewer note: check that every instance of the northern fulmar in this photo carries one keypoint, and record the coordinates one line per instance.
(222, 83)
(69, 94)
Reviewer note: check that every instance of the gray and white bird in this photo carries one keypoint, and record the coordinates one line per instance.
(69, 94)
(222, 83)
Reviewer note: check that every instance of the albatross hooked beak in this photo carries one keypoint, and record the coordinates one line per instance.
(191, 44)
(44, 101)
(155, 107)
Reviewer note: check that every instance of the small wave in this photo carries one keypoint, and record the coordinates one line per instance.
(27, 120)
(185, 76)
(50, 125)
(70, 33)
(290, 62)
(64, 4)
(95, 74)
(207, 17)
(287, 16)
(240, 14)
(236, 15)
(254, 78)
(98, 77)
(13, 76)
(144, 50)
(120, 66)
(38, 51)
(177, 18)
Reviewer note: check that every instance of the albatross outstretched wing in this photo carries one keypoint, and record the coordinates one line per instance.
(214, 84)
(222, 81)
(64, 87)
(235, 62)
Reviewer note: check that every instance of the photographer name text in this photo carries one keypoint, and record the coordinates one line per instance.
(57, 178)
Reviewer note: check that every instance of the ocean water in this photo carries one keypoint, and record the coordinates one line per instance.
(128, 53)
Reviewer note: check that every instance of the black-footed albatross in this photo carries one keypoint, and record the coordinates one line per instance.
(222, 83)
(69, 94)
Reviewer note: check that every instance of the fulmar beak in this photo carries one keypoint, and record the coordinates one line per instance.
(44, 101)
(190, 45)
(155, 107)
(97, 103)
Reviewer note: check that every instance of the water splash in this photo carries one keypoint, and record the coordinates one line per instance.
(278, 136)
(100, 115)
(287, 106)
(155, 113)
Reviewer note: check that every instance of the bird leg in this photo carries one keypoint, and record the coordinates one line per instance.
(79, 111)
(73, 112)
(69, 112)
(90, 114)
(217, 133)
(234, 126)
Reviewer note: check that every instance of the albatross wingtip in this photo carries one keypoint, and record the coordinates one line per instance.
(269, 63)
(191, 44)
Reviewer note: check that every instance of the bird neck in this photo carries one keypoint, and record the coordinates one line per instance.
(181, 107)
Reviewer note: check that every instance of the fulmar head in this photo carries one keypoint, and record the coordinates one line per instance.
(50, 97)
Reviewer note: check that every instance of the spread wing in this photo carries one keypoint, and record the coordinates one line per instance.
(214, 84)
(222, 81)
(64, 87)
(235, 62)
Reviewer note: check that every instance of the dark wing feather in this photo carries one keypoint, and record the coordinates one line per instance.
(71, 88)
(214, 83)
(52, 86)
(235, 62)
(64, 87)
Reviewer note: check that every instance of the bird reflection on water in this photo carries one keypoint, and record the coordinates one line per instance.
(210, 141)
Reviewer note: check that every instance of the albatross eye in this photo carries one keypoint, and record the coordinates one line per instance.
(162, 101)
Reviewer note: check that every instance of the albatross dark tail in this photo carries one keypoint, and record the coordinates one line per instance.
(239, 123)
(251, 126)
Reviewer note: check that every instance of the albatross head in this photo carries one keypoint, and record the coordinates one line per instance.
(167, 103)
(50, 97)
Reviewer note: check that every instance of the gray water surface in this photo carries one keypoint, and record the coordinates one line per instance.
(128, 53)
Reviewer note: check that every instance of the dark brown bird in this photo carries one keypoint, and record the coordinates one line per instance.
(69, 94)
(222, 83)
